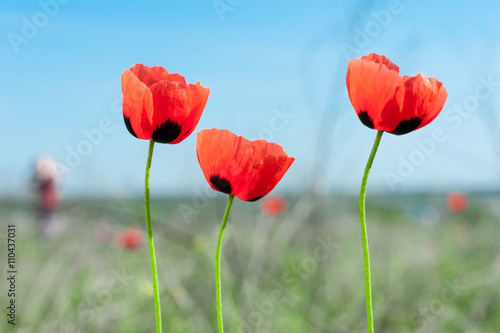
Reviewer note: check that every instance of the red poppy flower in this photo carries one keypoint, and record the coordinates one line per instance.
(130, 238)
(160, 106)
(273, 206)
(457, 202)
(234, 165)
(387, 101)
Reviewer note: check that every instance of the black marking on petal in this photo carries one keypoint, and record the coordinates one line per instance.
(129, 126)
(255, 199)
(406, 126)
(167, 132)
(221, 184)
(365, 119)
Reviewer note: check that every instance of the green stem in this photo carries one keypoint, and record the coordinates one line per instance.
(364, 235)
(217, 265)
(152, 255)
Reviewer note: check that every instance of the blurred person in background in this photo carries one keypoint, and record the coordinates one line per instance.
(45, 185)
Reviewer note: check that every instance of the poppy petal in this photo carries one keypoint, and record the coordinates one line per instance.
(424, 99)
(221, 184)
(151, 75)
(269, 164)
(371, 82)
(137, 106)
(192, 120)
(406, 126)
(213, 158)
(265, 176)
(177, 109)
(167, 132)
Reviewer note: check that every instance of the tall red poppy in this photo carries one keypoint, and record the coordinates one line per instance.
(234, 165)
(387, 101)
(160, 106)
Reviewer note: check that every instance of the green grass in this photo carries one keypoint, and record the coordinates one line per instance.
(433, 271)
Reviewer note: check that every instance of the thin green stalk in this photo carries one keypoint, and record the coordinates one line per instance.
(364, 235)
(217, 265)
(152, 255)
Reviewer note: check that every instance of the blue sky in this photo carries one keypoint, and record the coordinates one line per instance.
(263, 60)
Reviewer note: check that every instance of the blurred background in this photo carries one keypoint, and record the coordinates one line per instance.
(71, 176)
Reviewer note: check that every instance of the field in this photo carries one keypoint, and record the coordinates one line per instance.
(433, 271)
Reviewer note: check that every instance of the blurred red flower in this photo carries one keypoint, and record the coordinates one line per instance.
(387, 101)
(234, 165)
(457, 202)
(160, 106)
(273, 206)
(130, 238)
